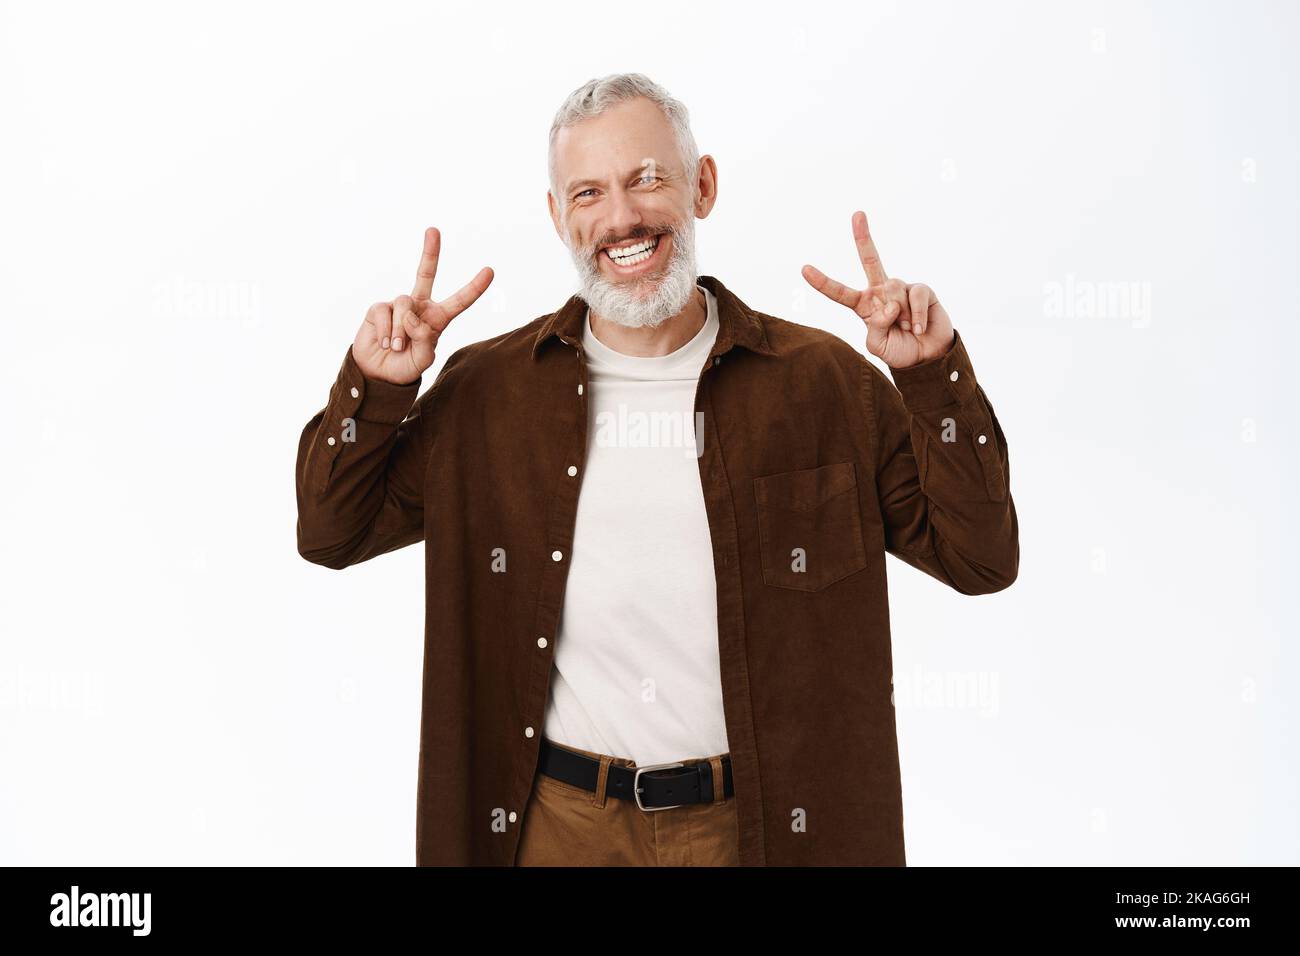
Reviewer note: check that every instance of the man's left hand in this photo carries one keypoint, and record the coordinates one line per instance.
(906, 325)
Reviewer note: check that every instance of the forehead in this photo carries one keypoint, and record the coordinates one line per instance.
(615, 142)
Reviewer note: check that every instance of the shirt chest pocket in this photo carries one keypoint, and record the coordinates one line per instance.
(810, 526)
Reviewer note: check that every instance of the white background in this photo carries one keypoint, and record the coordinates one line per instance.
(198, 204)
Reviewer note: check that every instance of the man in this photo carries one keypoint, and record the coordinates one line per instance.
(655, 527)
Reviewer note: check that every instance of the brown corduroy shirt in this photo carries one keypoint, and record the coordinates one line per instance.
(813, 466)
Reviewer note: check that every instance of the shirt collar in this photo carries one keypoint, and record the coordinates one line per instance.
(737, 323)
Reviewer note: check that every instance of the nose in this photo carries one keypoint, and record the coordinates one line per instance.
(624, 214)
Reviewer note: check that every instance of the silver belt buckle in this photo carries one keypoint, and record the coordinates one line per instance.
(636, 790)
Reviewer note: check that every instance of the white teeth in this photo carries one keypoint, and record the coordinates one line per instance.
(632, 255)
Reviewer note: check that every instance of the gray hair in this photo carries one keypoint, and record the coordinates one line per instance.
(596, 96)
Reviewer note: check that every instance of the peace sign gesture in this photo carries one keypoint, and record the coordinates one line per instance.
(396, 341)
(906, 325)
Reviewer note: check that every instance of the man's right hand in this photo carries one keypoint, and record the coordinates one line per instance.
(396, 341)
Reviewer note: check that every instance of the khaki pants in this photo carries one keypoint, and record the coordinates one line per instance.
(564, 825)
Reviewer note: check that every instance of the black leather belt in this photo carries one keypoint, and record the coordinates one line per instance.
(653, 787)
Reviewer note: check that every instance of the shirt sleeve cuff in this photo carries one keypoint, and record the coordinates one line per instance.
(371, 400)
(944, 380)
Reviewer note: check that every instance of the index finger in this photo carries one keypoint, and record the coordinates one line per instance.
(867, 250)
(428, 265)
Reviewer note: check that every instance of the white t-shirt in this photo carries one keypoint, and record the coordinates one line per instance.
(636, 670)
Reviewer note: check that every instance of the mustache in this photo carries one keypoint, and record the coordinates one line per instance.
(644, 232)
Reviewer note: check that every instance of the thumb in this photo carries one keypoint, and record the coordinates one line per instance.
(882, 315)
(879, 322)
(422, 339)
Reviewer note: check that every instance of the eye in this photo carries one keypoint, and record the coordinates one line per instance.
(650, 178)
(583, 193)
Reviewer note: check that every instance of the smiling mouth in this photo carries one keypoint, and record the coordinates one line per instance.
(632, 254)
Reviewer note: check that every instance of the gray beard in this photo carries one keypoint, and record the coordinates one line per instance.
(648, 301)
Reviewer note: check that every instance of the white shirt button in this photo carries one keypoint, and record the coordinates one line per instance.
(556, 555)
(983, 439)
(355, 392)
(541, 642)
(528, 731)
(573, 470)
(579, 388)
(513, 816)
(330, 440)
(953, 376)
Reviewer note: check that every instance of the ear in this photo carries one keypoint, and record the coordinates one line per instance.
(706, 186)
(554, 210)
